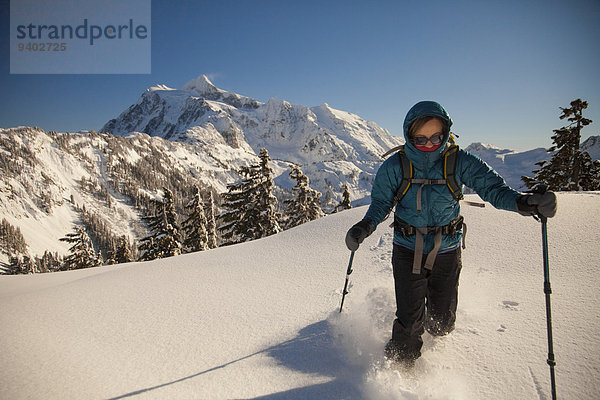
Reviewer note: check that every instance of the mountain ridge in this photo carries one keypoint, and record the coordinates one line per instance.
(333, 147)
(511, 164)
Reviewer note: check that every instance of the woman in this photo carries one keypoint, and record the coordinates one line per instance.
(426, 257)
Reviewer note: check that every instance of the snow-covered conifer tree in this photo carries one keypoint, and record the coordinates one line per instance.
(211, 224)
(11, 239)
(164, 239)
(124, 253)
(82, 254)
(304, 206)
(49, 262)
(111, 256)
(568, 168)
(345, 204)
(22, 264)
(250, 204)
(196, 235)
(589, 176)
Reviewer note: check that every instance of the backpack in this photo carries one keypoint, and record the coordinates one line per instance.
(449, 157)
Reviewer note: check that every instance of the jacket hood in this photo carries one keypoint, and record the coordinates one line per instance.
(422, 109)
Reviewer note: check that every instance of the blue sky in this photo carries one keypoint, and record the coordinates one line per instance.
(502, 69)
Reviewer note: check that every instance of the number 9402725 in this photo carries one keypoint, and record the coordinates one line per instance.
(44, 46)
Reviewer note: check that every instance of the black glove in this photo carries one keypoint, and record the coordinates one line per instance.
(543, 204)
(357, 234)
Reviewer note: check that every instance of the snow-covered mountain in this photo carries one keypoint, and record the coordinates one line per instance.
(510, 164)
(260, 319)
(333, 147)
(592, 146)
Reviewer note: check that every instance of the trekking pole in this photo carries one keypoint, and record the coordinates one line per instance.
(348, 272)
(548, 291)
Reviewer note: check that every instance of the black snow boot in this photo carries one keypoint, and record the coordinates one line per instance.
(438, 328)
(400, 354)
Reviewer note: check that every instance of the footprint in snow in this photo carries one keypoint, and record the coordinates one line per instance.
(510, 305)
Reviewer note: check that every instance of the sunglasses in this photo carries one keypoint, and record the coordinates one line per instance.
(422, 140)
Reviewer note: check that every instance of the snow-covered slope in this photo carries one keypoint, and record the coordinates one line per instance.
(260, 320)
(333, 147)
(47, 175)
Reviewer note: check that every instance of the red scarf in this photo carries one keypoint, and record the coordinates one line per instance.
(429, 149)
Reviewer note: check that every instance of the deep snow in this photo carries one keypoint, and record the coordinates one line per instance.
(260, 320)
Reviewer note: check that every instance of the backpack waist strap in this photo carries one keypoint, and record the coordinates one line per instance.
(406, 230)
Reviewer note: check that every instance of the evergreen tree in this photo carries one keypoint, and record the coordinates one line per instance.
(11, 239)
(328, 202)
(98, 230)
(82, 254)
(589, 177)
(21, 264)
(29, 265)
(123, 253)
(49, 262)
(568, 168)
(111, 256)
(164, 239)
(211, 224)
(42, 263)
(196, 235)
(15, 266)
(304, 206)
(345, 204)
(250, 204)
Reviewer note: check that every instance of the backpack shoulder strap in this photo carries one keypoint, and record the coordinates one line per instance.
(392, 150)
(407, 175)
(450, 159)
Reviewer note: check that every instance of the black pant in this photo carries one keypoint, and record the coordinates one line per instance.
(423, 301)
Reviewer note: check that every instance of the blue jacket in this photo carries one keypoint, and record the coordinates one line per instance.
(439, 207)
